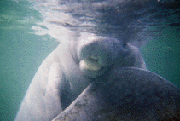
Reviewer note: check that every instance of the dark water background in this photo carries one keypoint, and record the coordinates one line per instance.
(22, 51)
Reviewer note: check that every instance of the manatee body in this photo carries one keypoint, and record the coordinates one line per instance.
(90, 52)
(126, 94)
(69, 69)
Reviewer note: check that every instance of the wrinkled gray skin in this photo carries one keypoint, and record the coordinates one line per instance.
(126, 94)
(70, 68)
(61, 77)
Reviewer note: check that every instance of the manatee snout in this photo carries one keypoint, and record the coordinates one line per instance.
(96, 52)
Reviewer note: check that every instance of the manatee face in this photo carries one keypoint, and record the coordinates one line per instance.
(96, 53)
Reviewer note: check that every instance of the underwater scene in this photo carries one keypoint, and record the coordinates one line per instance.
(31, 29)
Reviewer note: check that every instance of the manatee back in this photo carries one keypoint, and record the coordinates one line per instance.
(126, 94)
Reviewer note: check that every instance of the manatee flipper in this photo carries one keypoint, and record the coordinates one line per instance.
(37, 100)
(52, 95)
(126, 94)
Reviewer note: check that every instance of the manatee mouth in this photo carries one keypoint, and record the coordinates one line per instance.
(90, 63)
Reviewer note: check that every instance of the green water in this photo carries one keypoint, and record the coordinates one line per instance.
(21, 53)
(162, 55)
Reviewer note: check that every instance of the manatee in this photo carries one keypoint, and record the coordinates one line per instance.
(69, 69)
(126, 94)
(88, 52)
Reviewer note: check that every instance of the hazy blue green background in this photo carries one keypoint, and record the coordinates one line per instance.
(21, 53)
(162, 54)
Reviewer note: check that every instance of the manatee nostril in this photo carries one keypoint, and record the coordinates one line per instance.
(86, 50)
(94, 59)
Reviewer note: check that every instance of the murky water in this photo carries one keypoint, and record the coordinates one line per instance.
(30, 31)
